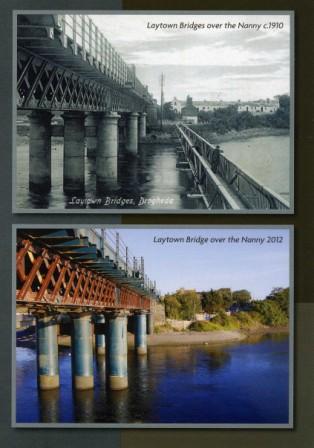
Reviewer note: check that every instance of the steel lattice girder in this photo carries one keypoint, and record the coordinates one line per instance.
(43, 85)
(47, 279)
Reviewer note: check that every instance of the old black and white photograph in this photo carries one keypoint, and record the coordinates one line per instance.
(153, 112)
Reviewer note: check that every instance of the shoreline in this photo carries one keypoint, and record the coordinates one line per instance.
(195, 337)
(245, 134)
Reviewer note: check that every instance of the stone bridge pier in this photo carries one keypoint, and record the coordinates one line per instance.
(99, 132)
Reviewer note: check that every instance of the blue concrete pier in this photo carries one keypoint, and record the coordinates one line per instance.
(100, 337)
(140, 333)
(118, 352)
(82, 352)
(47, 352)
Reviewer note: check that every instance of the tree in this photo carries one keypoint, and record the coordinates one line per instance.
(214, 301)
(281, 297)
(241, 297)
(183, 304)
(168, 112)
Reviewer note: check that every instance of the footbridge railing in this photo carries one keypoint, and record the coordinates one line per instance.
(229, 186)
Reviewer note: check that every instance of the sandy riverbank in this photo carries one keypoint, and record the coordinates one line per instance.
(194, 337)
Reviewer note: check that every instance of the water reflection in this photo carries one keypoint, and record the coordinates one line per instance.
(49, 406)
(83, 403)
(149, 181)
(243, 382)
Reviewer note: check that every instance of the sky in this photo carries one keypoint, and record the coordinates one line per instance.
(242, 265)
(207, 63)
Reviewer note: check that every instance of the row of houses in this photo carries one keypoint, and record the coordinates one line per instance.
(190, 109)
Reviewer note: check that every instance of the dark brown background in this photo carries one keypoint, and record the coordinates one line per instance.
(302, 436)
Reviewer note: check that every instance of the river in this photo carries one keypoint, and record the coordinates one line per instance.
(245, 382)
(154, 175)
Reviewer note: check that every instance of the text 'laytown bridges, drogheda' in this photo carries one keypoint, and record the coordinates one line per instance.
(64, 63)
(88, 280)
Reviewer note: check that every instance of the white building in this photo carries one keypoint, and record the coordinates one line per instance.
(254, 107)
(259, 107)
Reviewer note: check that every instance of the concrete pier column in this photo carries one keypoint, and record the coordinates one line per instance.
(91, 125)
(150, 323)
(118, 352)
(47, 352)
(40, 151)
(142, 125)
(107, 152)
(74, 148)
(140, 336)
(82, 352)
(100, 338)
(131, 144)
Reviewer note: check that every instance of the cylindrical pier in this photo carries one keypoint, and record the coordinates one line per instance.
(118, 352)
(142, 125)
(140, 337)
(74, 148)
(47, 352)
(40, 151)
(91, 125)
(100, 338)
(107, 152)
(82, 352)
(150, 323)
(131, 144)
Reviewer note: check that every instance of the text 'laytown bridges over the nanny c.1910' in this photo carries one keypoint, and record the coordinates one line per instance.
(87, 282)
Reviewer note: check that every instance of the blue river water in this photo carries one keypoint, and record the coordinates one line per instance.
(242, 383)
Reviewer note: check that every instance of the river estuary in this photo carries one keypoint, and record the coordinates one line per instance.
(153, 176)
(245, 382)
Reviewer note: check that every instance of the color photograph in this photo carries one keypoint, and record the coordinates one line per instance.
(153, 112)
(126, 326)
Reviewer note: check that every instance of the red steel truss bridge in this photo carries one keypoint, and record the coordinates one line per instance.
(62, 270)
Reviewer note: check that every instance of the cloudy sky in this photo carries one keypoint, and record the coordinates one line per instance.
(207, 63)
(244, 265)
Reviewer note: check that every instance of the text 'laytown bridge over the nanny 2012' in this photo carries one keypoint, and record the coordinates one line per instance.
(83, 282)
(64, 63)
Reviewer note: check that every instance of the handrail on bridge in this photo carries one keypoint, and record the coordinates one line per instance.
(230, 186)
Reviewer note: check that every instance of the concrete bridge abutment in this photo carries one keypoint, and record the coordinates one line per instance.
(47, 352)
(40, 151)
(82, 352)
(74, 152)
